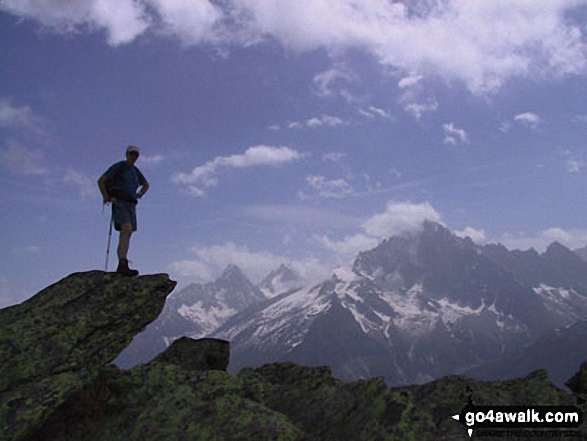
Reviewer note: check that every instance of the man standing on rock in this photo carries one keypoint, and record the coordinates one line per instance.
(119, 185)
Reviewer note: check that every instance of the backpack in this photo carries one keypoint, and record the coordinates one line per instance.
(114, 185)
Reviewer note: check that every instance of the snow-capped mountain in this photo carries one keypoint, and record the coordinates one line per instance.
(195, 311)
(281, 280)
(416, 307)
(208, 306)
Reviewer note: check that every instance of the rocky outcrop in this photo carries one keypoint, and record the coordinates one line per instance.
(54, 343)
(279, 402)
(197, 355)
(578, 382)
(73, 329)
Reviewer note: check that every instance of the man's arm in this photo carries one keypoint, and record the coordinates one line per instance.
(102, 187)
(143, 190)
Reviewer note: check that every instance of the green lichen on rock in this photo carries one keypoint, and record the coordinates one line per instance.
(440, 399)
(324, 407)
(201, 354)
(56, 382)
(57, 340)
(160, 401)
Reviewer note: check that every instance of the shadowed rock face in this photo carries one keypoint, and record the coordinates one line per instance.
(578, 382)
(197, 355)
(57, 340)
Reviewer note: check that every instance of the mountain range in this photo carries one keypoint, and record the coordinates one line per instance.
(417, 307)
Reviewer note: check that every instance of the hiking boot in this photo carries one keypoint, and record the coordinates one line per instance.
(124, 269)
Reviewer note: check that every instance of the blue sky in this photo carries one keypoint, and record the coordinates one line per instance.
(286, 131)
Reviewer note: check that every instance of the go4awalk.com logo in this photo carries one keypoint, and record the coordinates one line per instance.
(528, 421)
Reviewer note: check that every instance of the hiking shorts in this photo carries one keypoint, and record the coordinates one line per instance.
(124, 212)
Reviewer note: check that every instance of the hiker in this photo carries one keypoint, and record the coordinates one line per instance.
(119, 185)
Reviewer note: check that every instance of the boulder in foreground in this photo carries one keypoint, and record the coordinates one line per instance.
(55, 342)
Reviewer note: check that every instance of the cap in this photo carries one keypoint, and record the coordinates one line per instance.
(132, 148)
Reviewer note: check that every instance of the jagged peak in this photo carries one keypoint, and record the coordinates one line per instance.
(232, 271)
(283, 271)
(430, 231)
(281, 279)
(556, 247)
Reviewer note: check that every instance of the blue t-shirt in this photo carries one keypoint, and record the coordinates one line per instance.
(127, 178)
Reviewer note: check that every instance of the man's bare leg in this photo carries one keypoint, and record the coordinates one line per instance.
(123, 243)
(124, 240)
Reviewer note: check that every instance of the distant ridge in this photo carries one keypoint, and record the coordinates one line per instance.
(416, 307)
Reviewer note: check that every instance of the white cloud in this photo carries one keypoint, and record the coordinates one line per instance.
(20, 160)
(150, 161)
(333, 156)
(573, 239)
(350, 245)
(477, 236)
(399, 218)
(409, 81)
(481, 44)
(86, 186)
(557, 234)
(211, 261)
(381, 112)
(192, 21)
(366, 114)
(195, 191)
(206, 175)
(323, 120)
(505, 126)
(331, 188)
(453, 135)
(20, 117)
(374, 112)
(325, 82)
(574, 164)
(394, 172)
(417, 110)
(295, 125)
(528, 119)
(123, 20)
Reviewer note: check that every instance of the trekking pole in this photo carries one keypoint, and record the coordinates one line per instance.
(109, 239)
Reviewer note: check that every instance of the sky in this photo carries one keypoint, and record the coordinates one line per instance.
(286, 131)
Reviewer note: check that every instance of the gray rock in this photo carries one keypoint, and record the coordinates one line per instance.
(197, 355)
(57, 341)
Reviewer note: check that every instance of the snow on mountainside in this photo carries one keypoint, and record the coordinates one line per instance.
(284, 320)
(209, 306)
(281, 280)
(199, 309)
(416, 307)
